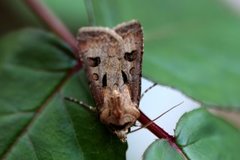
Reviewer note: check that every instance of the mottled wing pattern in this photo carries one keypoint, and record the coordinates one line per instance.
(98, 47)
(132, 35)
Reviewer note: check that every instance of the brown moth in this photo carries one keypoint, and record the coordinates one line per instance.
(113, 60)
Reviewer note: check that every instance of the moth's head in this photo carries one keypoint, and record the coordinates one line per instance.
(122, 127)
(119, 113)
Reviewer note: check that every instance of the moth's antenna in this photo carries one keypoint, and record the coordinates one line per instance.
(74, 100)
(146, 125)
(148, 89)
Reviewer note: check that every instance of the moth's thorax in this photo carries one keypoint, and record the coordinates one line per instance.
(118, 110)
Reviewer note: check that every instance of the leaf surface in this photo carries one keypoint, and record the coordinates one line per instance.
(36, 123)
(161, 150)
(202, 136)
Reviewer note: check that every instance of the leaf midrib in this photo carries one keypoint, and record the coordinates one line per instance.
(38, 112)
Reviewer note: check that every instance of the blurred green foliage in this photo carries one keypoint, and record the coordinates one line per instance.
(14, 14)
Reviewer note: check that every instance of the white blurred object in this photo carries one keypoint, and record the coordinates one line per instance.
(155, 102)
(235, 4)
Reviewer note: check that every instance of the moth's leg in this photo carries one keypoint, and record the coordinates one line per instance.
(129, 130)
(137, 124)
(74, 100)
(148, 89)
(148, 124)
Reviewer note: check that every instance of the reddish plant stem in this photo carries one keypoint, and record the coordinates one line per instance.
(60, 29)
(154, 128)
(159, 132)
(46, 16)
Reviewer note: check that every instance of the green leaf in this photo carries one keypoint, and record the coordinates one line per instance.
(35, 120)
(202, 136)
(192, 45)
(161, 150)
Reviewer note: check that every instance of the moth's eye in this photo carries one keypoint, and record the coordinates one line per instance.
(124, 76)
(93, 61)
(130, 56)
(104, 80)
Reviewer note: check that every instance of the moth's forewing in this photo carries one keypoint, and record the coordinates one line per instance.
(132, 35)
(95, 45)
(112, 59)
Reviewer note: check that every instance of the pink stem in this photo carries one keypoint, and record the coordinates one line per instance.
(159, 132)
(154, 128)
